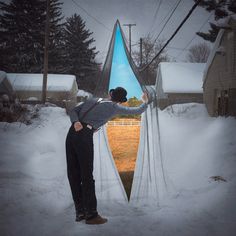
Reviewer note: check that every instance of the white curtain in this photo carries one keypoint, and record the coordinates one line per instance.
(150, 180)
(107, 180)
(150, 183)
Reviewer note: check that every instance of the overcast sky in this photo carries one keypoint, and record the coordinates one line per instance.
(142, 13)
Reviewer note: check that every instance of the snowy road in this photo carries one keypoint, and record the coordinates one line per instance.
(35, 198)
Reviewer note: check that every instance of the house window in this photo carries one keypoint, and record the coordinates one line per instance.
(217, 102)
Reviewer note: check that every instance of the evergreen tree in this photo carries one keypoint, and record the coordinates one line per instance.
(80, 54)
(56, 38)
(221, 8)
(21, 29)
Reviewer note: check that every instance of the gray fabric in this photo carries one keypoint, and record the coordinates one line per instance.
(103, 83)
(102, 112)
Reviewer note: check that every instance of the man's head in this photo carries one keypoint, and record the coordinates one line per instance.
(118, 94)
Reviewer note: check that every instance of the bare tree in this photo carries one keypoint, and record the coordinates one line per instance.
(198, 53)
(149, 49)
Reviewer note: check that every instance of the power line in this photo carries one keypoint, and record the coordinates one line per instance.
(187, 45)
(173, 11)
(175, 48)
(137, 43)
(158, 8)
(173, 35)
(155, 15)
(171, 14)
(98, 21)
(165, 16)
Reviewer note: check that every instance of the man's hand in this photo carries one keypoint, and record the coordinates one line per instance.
(78, 126)
(145, 97)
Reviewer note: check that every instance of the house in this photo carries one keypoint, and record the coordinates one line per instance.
(219, 86)
(179, 83)
(61, 89)
(5, 85)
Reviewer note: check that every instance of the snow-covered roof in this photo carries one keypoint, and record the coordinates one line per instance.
(181, 77)
(5, 85)
(225, 22)
(33, 82)
(213, 52)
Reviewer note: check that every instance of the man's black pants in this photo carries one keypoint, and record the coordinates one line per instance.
(79, 156)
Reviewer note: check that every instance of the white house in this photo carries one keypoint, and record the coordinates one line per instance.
(220, 75)
(61, 89)
(179, 83)
(5, 85)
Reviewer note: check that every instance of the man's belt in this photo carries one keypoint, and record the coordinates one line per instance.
(88, 126)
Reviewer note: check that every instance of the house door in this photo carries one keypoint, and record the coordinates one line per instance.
(219, 106)
(232, 102)
(223, 103)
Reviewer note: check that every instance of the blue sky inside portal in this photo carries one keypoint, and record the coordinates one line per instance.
(121, 73)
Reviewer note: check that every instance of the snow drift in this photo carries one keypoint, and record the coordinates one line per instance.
(35, 197)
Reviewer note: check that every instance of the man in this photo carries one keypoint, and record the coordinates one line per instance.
(87, 118)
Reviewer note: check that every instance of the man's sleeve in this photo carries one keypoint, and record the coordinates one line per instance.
(74, 113)
(122, 110)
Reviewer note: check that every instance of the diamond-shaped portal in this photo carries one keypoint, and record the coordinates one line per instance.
(122, 74)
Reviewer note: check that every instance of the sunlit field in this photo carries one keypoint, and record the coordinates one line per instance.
(124, 141)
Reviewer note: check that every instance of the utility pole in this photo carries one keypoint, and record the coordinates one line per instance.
(141, 52)
(45, 64)
(129, 25)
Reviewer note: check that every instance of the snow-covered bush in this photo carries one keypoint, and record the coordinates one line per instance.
(14, 111)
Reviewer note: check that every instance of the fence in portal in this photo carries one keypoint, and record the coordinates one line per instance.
(124, 122)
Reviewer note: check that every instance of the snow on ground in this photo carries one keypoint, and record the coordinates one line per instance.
(35, 197)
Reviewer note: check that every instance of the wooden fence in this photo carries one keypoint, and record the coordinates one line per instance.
(124, 122)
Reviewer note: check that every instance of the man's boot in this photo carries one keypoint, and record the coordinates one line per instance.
(98, 220)
(80, 215)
